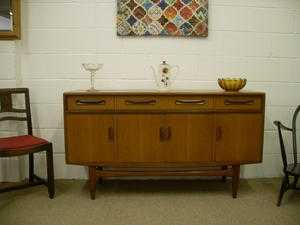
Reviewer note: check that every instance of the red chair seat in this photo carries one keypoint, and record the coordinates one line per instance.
(21, 142)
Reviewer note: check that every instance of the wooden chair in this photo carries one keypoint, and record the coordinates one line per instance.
(289, 169)
(25, 144)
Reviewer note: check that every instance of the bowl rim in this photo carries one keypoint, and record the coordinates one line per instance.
(233, 78)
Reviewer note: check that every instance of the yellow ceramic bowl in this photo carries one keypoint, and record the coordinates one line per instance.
(232, 84)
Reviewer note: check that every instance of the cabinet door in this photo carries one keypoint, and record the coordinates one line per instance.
(139, 138)
(191, 137)
(90, 138)
(239, 138)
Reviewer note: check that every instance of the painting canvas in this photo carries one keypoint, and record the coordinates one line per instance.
(162, 17)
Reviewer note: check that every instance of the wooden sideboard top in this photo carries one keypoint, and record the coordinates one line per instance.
(138, 101)
(158, 92)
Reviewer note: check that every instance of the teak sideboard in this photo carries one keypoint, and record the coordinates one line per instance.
(163, 133)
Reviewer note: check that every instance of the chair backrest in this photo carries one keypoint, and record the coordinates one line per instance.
(294, 127)
(293, 130)
(7, 106)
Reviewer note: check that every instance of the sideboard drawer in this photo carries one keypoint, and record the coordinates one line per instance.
(147, 102)
(185, 102)
(90, 102)
(239, 103)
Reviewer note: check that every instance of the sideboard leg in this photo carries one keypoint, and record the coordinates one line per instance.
(100, 179)
(93, 179)
(224, 177)
(235, 180)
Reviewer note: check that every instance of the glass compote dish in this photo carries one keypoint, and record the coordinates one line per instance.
(92, 68)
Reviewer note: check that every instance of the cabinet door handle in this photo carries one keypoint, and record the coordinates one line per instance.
(219, 133)
(140, 102)
(169, 132)
(162, 134)
(111, 134)
(190, 101)
(90, 102)
(165, 133)
(239, 101)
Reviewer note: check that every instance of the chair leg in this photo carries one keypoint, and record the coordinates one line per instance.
(285, 182)
(31, 167)
(50, 172)
(296, 178)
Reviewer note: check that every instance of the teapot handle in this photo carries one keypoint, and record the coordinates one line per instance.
(177, 69)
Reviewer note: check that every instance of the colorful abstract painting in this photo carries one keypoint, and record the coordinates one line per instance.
(162, 17)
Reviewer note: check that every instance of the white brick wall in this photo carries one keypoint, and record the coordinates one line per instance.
(8, 79)
(7, 64)
(257, 39)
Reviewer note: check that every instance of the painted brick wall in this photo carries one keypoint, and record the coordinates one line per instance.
(257, 39)
(8, 72)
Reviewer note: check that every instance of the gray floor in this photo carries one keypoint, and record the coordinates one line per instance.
(160, 202)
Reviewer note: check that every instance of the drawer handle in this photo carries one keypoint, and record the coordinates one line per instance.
(190, 101)
(239, 101)
(140, 102)
(90, 102)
